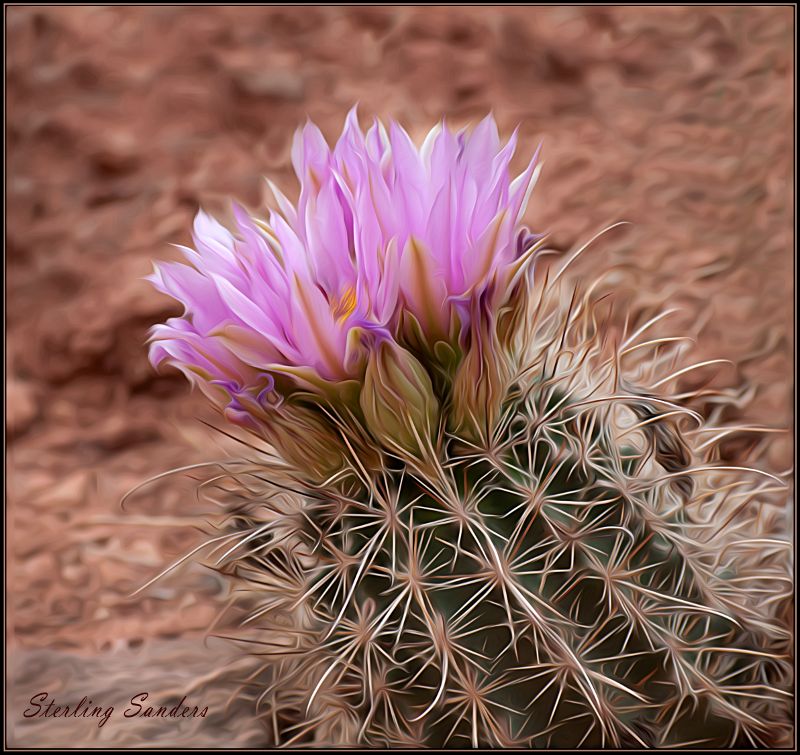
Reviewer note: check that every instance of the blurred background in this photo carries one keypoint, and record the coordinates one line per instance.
(122, 121)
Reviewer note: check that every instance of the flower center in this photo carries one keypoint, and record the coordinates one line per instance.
(343, 307)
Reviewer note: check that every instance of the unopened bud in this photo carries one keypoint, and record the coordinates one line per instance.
(479, 386)
(398, 400)
(306, 441)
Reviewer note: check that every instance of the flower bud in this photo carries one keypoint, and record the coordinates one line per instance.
(301, 436)
(397, 399)
(307, 441)
(480, 382)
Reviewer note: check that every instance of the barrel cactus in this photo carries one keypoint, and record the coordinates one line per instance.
(479, 519)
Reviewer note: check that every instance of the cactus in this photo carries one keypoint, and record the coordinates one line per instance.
(505, 537)
(580, 577)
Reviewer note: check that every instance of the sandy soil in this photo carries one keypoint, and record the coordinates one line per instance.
(122, 121)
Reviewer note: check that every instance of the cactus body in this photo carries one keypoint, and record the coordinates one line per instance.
(485, 523)
(580, 575)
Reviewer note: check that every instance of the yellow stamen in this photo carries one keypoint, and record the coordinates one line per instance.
(344, 307)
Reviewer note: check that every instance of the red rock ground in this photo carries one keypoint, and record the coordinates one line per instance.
(123, 120)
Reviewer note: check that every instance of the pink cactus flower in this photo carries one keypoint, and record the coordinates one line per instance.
(382, 229)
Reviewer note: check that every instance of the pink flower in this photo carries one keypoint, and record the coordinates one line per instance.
(449, 209)
(274, 302)
(459, 220)
(383, 233)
